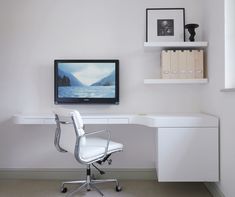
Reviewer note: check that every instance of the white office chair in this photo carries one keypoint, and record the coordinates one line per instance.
(70, 137)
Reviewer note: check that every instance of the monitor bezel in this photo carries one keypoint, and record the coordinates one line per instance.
(114, 100)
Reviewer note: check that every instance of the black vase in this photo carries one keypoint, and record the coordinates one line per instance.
(191, 29)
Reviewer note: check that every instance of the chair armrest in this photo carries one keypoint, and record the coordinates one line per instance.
(65, 122)
(108, 139)
(96, 132)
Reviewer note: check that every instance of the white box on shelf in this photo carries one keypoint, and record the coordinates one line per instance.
(165, 64)
(190, 64)
(199, 67)
(182, 64)
(174, 64)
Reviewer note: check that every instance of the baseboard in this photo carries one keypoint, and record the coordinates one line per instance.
(214, 190)
(69, 174)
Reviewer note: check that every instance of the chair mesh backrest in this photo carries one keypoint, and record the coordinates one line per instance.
(78, 122)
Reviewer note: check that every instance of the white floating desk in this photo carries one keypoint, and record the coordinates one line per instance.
(151, 120)
(187, 145)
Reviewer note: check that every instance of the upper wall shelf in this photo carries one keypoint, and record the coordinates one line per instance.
(176, 44)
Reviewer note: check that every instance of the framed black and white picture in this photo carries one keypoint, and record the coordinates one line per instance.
(165, 24)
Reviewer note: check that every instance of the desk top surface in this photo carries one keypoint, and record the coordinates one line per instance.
(150, 120)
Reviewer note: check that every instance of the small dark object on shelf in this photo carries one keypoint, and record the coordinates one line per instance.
(191, 29)
(118, 188)
(63, 190)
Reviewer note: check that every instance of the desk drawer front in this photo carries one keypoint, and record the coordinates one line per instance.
(188, 154)
(95, 121)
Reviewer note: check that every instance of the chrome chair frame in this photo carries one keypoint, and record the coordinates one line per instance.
(88, 183)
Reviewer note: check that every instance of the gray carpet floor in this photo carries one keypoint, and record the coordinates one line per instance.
(40, 188)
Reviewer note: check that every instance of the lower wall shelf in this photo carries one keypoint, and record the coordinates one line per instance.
(175, 81)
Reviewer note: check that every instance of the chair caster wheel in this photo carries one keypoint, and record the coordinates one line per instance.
(63, 190)
(118, 188)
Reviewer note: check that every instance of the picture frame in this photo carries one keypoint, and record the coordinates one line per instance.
(165, 25)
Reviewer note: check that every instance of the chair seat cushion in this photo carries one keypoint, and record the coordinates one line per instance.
(94, 148)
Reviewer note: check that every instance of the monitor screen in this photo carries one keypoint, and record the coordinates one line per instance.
(86, 81)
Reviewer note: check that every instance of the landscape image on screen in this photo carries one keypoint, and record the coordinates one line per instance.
(86, 80)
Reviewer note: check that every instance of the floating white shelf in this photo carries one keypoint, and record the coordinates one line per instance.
(176, 44)
(175, 81)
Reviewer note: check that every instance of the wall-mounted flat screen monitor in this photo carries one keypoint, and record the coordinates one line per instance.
(86, 81)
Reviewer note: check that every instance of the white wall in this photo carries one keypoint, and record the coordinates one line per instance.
(34, 33)
(216, 102)
(229, 44)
